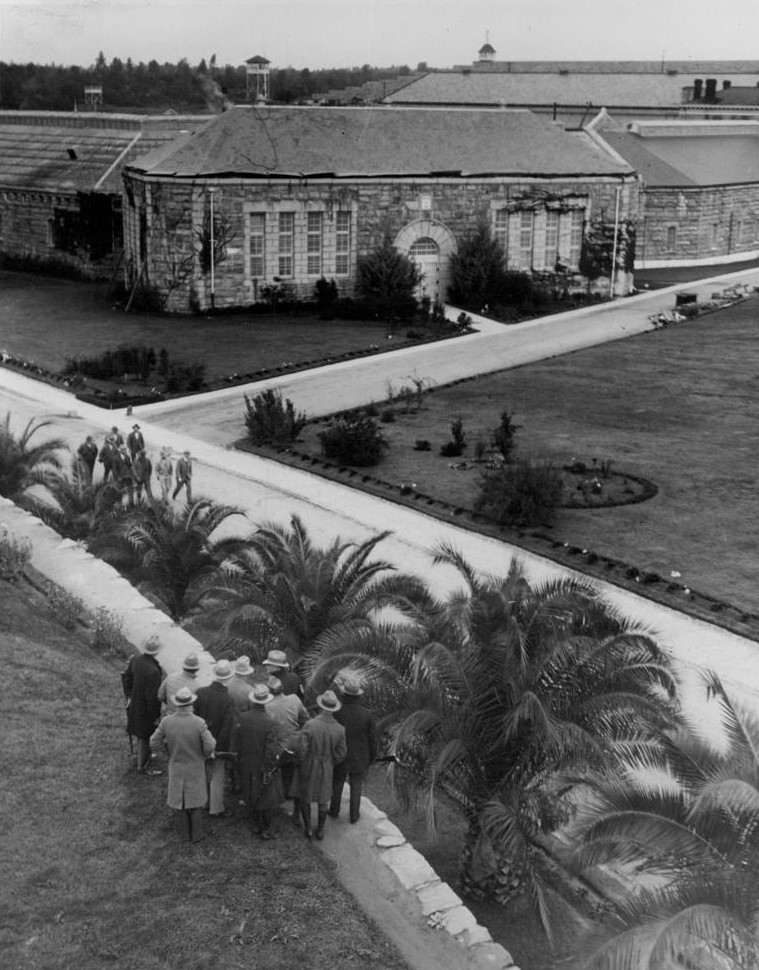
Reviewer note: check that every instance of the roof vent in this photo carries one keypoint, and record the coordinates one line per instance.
(71, 152)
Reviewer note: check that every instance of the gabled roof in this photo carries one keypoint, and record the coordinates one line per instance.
(308, 142)
(257, 59)
(690, 68)
(739, 95)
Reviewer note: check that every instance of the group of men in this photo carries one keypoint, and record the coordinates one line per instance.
(130, 468)
(249, 732)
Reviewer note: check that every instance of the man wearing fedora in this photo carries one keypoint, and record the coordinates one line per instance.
(164, 470)
(215, 706)
(277, 665)
(361, 739)
(320, 745)
(140, 681)
(256, 745)
(186, 677)
(240, 685)
(189, 743)
(135, 441)
(289, 715)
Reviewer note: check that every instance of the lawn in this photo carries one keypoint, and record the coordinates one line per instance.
(46, 320)
(676, 406)
(94, 874)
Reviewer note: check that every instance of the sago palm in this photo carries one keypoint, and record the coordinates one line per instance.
(22, 464)
(79, 506)
(168, 552)
(690, 838)
(510, 695)
(284, 587)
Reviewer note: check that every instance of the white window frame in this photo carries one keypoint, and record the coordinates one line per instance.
(286, 244)
(257, 221)
(314, 243)
(343, 241)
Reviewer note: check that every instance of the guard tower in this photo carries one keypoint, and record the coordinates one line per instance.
(257, 78)
(93, 96)
(487, 52)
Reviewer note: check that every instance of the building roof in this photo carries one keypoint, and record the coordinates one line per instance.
(257, 59)
(496, 88)
(739, 95)
(688, 67)
(311, 142)
(689, 153)
(63, 158)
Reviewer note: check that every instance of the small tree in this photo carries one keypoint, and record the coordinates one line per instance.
(476, 269)
(272, 421)
(504, 436)
(388, 278)
(326, 295)
(522, 494)
(455, 447)
(354, 440)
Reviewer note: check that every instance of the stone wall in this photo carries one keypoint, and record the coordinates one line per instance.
(167, 228)
(692, 224)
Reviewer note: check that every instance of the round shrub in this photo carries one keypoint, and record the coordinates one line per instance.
(524, 493)
(353, 440)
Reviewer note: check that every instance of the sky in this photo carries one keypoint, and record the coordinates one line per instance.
(344, 33)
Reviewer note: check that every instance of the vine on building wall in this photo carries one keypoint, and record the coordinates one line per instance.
(598, 248)
(217, 241)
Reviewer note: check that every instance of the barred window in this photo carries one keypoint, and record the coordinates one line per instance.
(258, 245)
(501, 229)
(314, 244)
(552, 239)
(576, 228)
(286, 243)
(342, 243)
(526, 231)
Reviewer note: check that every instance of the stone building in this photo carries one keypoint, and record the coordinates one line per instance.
(283, 196)
(60, 184)
(699, 201)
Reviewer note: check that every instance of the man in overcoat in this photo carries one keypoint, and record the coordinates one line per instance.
(140, 681)
(289, 715)
(361, 739)
(217, 709)
(186, 677)
(320, 745)
(87, 454)
(277, 665)
(256, 745)
(189, 743)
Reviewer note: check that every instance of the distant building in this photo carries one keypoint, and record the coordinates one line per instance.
(285, 195)
(699, 201)
(60, 184)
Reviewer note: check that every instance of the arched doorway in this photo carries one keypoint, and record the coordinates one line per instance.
(425, 252)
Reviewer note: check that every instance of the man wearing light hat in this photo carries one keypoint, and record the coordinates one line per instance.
(320, 745)
(240, 685)
(289, 715)
(255, 742)
(140, 681)
(186, 677)
(276, 665)
(215, 706)
(189, 743)
(361, 738)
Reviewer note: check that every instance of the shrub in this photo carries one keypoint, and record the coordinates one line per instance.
(325, 293)
(422, 444)
(476, 269)
(65, 607)
(388, 416)
(388, 278)
(455, 447)
(523, 493)
(14, 556)
(354, 440)
(272, 421)
(504, 436)
(108, 634)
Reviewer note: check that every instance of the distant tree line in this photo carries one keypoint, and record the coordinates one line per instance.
(128, 85)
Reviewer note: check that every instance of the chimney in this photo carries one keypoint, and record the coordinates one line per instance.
(726, 85)
(698, 89)
(711, 89)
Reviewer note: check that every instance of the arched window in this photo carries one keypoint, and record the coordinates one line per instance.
(424, 247)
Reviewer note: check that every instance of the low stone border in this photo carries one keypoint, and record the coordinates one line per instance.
(439, 905)
(99, 586)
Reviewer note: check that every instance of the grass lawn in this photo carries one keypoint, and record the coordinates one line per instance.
(677, 406)
(46, 320)
(94, 874)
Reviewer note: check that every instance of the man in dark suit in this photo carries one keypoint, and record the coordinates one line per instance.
(141, 681)
(361, 738)
(216, 707)
(135, 441)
